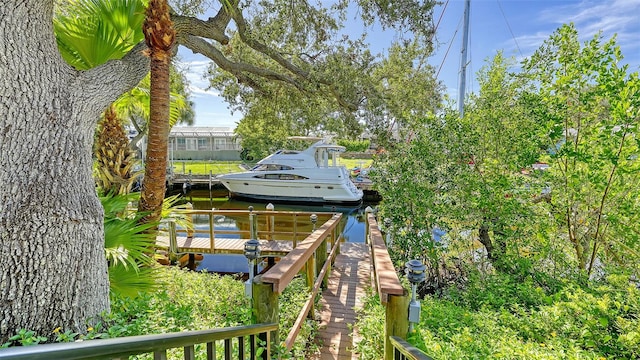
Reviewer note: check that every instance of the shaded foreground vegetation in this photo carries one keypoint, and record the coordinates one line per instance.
(184, 301)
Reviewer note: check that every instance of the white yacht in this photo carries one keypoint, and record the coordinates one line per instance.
(300, 176)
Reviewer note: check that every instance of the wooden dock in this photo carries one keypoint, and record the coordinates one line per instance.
(226, 231)
(204, 245)
(346, 288)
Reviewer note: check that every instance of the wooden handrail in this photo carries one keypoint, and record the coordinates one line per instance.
(176, 240)
(283, 272)
(387, 281)
(267, 287)
(276, 213)
(404, 350)
(134, 345)
(291, 338)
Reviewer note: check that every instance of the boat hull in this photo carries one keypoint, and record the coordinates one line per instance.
(300, 191)
(293, 199)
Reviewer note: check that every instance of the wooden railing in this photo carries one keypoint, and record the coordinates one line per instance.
(311, 255)
(241, 341)
(392, 295)
(285, 227)
(403, 350)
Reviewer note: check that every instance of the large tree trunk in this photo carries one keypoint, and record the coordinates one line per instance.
(159, 36)
(53, 271)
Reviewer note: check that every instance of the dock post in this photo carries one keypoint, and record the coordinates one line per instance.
(270, 229)
(311, 279)
(321, 253)
(266, 310)
(189, 212)
(173, 240)
(270, 221)
(334, 238)
(396, 321)
(253, 228)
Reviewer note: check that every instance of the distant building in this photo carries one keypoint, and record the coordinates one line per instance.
(203, 143)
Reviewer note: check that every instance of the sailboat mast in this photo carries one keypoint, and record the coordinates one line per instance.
(463, 58)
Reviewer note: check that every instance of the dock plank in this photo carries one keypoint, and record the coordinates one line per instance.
(223, 245)
(346, 288)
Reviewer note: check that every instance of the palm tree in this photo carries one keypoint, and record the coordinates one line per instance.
(115, 161)
(89, 33)
(160, 38)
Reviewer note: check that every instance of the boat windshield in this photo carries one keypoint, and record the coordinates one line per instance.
(270, 167)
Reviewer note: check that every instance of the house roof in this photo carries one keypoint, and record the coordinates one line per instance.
(201, 131)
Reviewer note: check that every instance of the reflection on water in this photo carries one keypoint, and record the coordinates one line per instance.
(352, 225)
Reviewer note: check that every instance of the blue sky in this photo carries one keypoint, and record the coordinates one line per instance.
(517, 27)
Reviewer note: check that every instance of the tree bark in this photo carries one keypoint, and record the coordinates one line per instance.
(485, 239)
(496, 247)
(53, 271)
(159, 36)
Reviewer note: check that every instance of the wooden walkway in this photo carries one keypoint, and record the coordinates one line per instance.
(196, 245)
(347, 284)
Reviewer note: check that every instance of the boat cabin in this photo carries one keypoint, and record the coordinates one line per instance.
(316, 156)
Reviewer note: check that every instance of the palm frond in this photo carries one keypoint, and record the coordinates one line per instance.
(176, 212)
(128, 246)
(92, 32)
(127, 242)
(124, 282)
(116, 206)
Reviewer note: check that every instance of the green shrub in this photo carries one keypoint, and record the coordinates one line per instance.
(185, 301)
(576, 323)
(355, 145)
(370, 324)
(291, 302)
(597, 322)
(497, 291)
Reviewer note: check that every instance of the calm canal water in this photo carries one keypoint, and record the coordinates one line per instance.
(352, 226)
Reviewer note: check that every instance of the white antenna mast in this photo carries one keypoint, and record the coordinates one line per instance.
(463, 60)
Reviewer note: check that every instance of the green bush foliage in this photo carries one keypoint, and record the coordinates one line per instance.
(186, 301)
(370, 323)
(355, 145)
(291, 302)
(535, 190)
(500, 318)
(577, 323)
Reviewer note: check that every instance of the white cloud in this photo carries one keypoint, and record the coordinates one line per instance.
(195, 72)
(530, 42)
(611, 17)
(201, 92)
